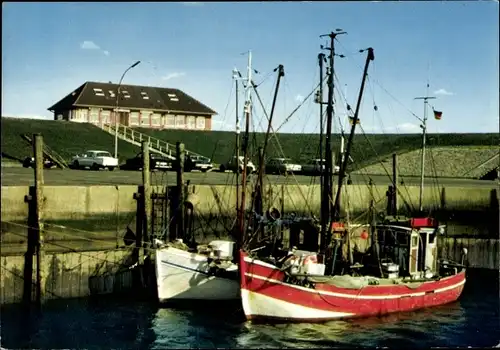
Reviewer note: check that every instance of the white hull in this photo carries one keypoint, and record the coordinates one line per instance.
(182, 275)
(255, 305)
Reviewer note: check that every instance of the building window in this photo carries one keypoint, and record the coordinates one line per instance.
(200, 123)
(170, 121)
(105, 116)
(145, 118)
(134, 118)
(191, 122)
(94, 115)
(156, 119)
(179, 121)
(80, 114)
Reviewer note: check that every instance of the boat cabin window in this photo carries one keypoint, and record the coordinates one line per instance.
(432, 237)
(393, 238)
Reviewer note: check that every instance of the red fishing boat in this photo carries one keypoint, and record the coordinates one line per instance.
(398, 270)
(290, 292)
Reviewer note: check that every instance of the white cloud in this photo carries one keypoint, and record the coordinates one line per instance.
(443, 92)
(404, 127)
(299, 98)
(192, 4)
(407, 127)
(89, 45)
(173, 75)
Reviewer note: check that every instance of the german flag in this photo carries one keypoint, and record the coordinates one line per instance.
(437, 115)
(351, 121)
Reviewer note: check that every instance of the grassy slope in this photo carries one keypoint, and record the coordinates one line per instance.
(68, 138)
(301, 147)
(451, 161)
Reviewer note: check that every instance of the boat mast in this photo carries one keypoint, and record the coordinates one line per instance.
(327, 174)
(247, 113)
(423, 126)
(262, 151)
(343, 165)
(235, 78)
(319, 100)
(342, 138)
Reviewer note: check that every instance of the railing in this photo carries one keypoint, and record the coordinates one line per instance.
(49, 153)
(483, 164)
(128, 134)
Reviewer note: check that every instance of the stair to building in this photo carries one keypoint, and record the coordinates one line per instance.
(135, 137)
(49, 153)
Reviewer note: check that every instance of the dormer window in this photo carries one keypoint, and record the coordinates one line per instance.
(98, 92)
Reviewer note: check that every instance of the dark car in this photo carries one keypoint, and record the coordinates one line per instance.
(282, 166)
(29, 162)
(200, 163)
(156, 162)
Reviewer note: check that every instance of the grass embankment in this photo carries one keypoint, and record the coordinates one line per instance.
(69, 138)
(65, 138)
(366, 150)
(451, 161)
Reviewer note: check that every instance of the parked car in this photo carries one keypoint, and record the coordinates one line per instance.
(29, 162)
(94, 160)
(237, 165)
(314, 167)
(156, 162)
(282, 166)
(200, 163)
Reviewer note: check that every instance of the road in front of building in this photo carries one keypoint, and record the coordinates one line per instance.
(58, 177)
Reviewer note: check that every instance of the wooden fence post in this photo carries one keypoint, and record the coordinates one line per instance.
(146, 182)
(180, 155)
(39, 199)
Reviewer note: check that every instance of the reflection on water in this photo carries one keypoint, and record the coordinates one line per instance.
(105, 324)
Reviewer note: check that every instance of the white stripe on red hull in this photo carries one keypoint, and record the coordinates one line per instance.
(182, 275)
(265, 295)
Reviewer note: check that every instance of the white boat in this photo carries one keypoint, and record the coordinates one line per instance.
(208, 274)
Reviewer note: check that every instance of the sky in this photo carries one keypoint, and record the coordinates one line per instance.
(49, 49)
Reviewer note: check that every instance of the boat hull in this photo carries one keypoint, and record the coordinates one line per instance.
(184, 276)
(265, 294)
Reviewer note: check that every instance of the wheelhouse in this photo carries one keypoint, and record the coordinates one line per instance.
(411, 245)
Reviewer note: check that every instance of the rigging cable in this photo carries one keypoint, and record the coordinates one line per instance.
(383, 165)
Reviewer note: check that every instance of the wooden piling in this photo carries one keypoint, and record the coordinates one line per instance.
(180, 155)
(146, 183)
(30, 249)
(39, 200)
(139, 222)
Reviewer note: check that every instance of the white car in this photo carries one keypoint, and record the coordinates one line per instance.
(95, 160)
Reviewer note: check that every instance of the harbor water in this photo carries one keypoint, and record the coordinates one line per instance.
(473, 320)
